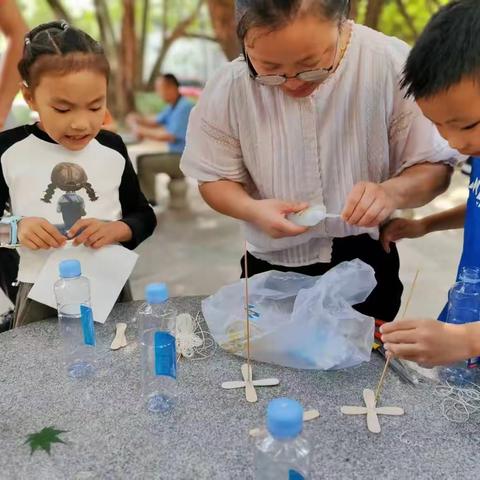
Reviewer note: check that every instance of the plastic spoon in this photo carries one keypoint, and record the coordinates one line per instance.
(310, 217)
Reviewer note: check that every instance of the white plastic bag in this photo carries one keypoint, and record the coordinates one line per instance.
(296, 320)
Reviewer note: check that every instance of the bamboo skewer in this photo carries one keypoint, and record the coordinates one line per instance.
(387, 363)
(247, 314)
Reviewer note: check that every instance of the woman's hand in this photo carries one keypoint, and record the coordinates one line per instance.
(427, 342)
(368, 205)
(39, 234)
(400, 228)
(96, 233)
(269, 216)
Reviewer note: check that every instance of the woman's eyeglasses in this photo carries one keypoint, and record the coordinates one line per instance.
(317, 75)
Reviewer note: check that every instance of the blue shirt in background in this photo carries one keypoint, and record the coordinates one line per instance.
(175, 121)
(471, 237)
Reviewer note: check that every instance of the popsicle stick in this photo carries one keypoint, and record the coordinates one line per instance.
(310, 415)
(371, 411)
(120, 339)
(354, 410)
(268, 382)
(372, 419)
(394, 411)
(250, 393)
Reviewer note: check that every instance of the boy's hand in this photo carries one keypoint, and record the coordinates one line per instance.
(269, 216)
(427, 342)
(96, 233)
(368, 205)
(39, 234)
(400, 228)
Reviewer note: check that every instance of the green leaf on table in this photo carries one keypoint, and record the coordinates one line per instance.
(44, 439)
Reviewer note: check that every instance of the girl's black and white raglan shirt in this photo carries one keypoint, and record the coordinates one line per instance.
(40, 178)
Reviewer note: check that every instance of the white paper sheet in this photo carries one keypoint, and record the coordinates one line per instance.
(108, 269)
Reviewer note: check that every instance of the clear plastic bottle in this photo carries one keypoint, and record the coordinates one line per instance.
(72, 293)
(283, 454)
(463, 307)
(157, 328)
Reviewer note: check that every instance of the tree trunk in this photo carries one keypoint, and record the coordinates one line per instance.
(354, 9)
(222, 14)
(59, 10)
(179, 31)
(105, 25)
(128, 59)
(110, 45)
(408, 18)
(374, 12)
(142, 44)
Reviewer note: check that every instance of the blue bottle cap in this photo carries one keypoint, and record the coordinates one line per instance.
(156, 293)
(70, 268)
(284, 418)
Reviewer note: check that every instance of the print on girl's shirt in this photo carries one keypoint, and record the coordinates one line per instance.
(70, 178)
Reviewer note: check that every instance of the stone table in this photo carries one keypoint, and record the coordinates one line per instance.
(110, 437)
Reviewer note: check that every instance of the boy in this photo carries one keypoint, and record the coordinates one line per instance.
(443, 75)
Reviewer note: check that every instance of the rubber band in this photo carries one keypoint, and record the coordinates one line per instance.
(459, 404)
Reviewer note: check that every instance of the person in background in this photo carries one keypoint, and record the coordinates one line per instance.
(13, 27)
(169, 126)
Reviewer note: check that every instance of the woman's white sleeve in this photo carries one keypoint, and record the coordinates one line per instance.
(213, 151)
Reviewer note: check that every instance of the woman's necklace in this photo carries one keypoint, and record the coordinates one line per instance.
(344, 42)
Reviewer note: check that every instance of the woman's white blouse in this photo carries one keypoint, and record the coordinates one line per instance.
(356, 127)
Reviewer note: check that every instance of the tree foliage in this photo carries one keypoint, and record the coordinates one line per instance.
(124, 27)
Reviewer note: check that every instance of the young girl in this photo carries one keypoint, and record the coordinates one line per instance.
(64, 177)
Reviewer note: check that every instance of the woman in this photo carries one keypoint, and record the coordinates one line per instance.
(313, 114)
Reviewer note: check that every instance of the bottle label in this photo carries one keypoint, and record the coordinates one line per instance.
(87, 325)
(473, 362)
(165, 355)
(294, 475)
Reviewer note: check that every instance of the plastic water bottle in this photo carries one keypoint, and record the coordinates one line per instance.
(72, 292)
(283, 454)
(463, 307)
(157, 329)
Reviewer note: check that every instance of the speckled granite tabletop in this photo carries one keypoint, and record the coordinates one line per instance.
(109, 436)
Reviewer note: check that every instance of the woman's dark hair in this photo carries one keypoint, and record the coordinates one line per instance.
(275, 14)
(60, 48)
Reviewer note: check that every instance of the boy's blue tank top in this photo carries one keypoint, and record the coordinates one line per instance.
(471, 242)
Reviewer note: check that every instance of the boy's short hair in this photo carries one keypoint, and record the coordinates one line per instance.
(447, 51)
